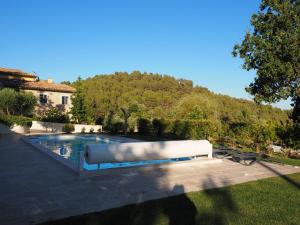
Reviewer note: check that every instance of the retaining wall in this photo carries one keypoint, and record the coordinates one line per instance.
(38, 126)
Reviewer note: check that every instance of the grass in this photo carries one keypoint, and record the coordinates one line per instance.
(270, 201)
(286, 160)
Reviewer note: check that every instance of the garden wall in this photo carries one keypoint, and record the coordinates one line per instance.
(38, 126)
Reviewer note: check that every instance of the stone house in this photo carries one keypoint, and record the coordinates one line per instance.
(48, 93)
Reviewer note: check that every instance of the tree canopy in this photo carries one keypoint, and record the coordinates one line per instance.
(163, 96)
(78, 109)
(14, 102)
(272, 49)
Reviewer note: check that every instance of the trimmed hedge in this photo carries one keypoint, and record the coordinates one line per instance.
(179, 129)
(18, 120)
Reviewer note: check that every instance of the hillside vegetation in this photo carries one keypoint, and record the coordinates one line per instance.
(164, 106)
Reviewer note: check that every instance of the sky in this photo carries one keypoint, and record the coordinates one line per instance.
(190, 39)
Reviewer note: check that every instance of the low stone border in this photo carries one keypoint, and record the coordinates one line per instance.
(133, 170)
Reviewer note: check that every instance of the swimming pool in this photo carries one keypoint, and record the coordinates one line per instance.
(69, 147)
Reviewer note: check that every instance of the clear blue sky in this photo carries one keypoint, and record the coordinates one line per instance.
(189, 39)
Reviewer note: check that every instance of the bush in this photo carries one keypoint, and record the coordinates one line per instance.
(159, 126)
(116, 127)
(55, 116)
(82, 130)
(68, 128)
(144, 126)
(18, 120)
(185, 129)
(99, 120)
(179, 129)
(202, 129)
(92, 130)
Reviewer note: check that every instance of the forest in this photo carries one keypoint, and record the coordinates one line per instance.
(161, 105)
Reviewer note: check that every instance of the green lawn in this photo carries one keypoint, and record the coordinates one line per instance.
(286, 160)
(270, 201)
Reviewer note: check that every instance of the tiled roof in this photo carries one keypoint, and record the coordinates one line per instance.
(37, 85)
(46, 86)
(16, 72)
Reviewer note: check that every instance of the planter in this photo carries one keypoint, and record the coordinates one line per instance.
(20, 129)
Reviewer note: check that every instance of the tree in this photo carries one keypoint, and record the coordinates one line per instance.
(17, 102)
(66, 82)
(78, 110)
(127, 111)
(273, 50)
(25, 103)
(8, 100)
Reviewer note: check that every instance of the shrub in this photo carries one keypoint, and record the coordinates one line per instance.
(82, 130)
(180, 129)
(187, 129)
(99, 130)
(55, 116)
(116, 127)
(92, 130)
(144, 126)
(68, 128)
(99, 120)
(159, 126)
(18, 120)
(113, 124)
(202, 129)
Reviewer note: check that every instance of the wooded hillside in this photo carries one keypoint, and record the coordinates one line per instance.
(158, 96)
(125, 98)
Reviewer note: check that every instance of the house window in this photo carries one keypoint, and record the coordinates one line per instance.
(64, 100)
(43, 99)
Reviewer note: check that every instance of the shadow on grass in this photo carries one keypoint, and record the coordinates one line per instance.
(221, 201)
(180, 210)
(212, 208)
(286, 178)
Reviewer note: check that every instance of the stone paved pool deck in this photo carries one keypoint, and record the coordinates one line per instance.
(34, 188)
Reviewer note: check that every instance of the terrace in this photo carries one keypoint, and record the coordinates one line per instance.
(36, 189)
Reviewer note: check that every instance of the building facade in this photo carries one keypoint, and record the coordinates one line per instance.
(48, 93)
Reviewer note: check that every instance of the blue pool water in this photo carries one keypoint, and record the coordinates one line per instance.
(69, 146)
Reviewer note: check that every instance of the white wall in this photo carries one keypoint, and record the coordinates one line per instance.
(39, 126)
(54, 100)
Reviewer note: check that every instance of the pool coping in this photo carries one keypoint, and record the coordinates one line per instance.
(77, 168)
(61, 160)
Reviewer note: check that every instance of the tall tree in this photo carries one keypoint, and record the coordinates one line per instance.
(78, 110)
(273, 50)
(127, 111)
